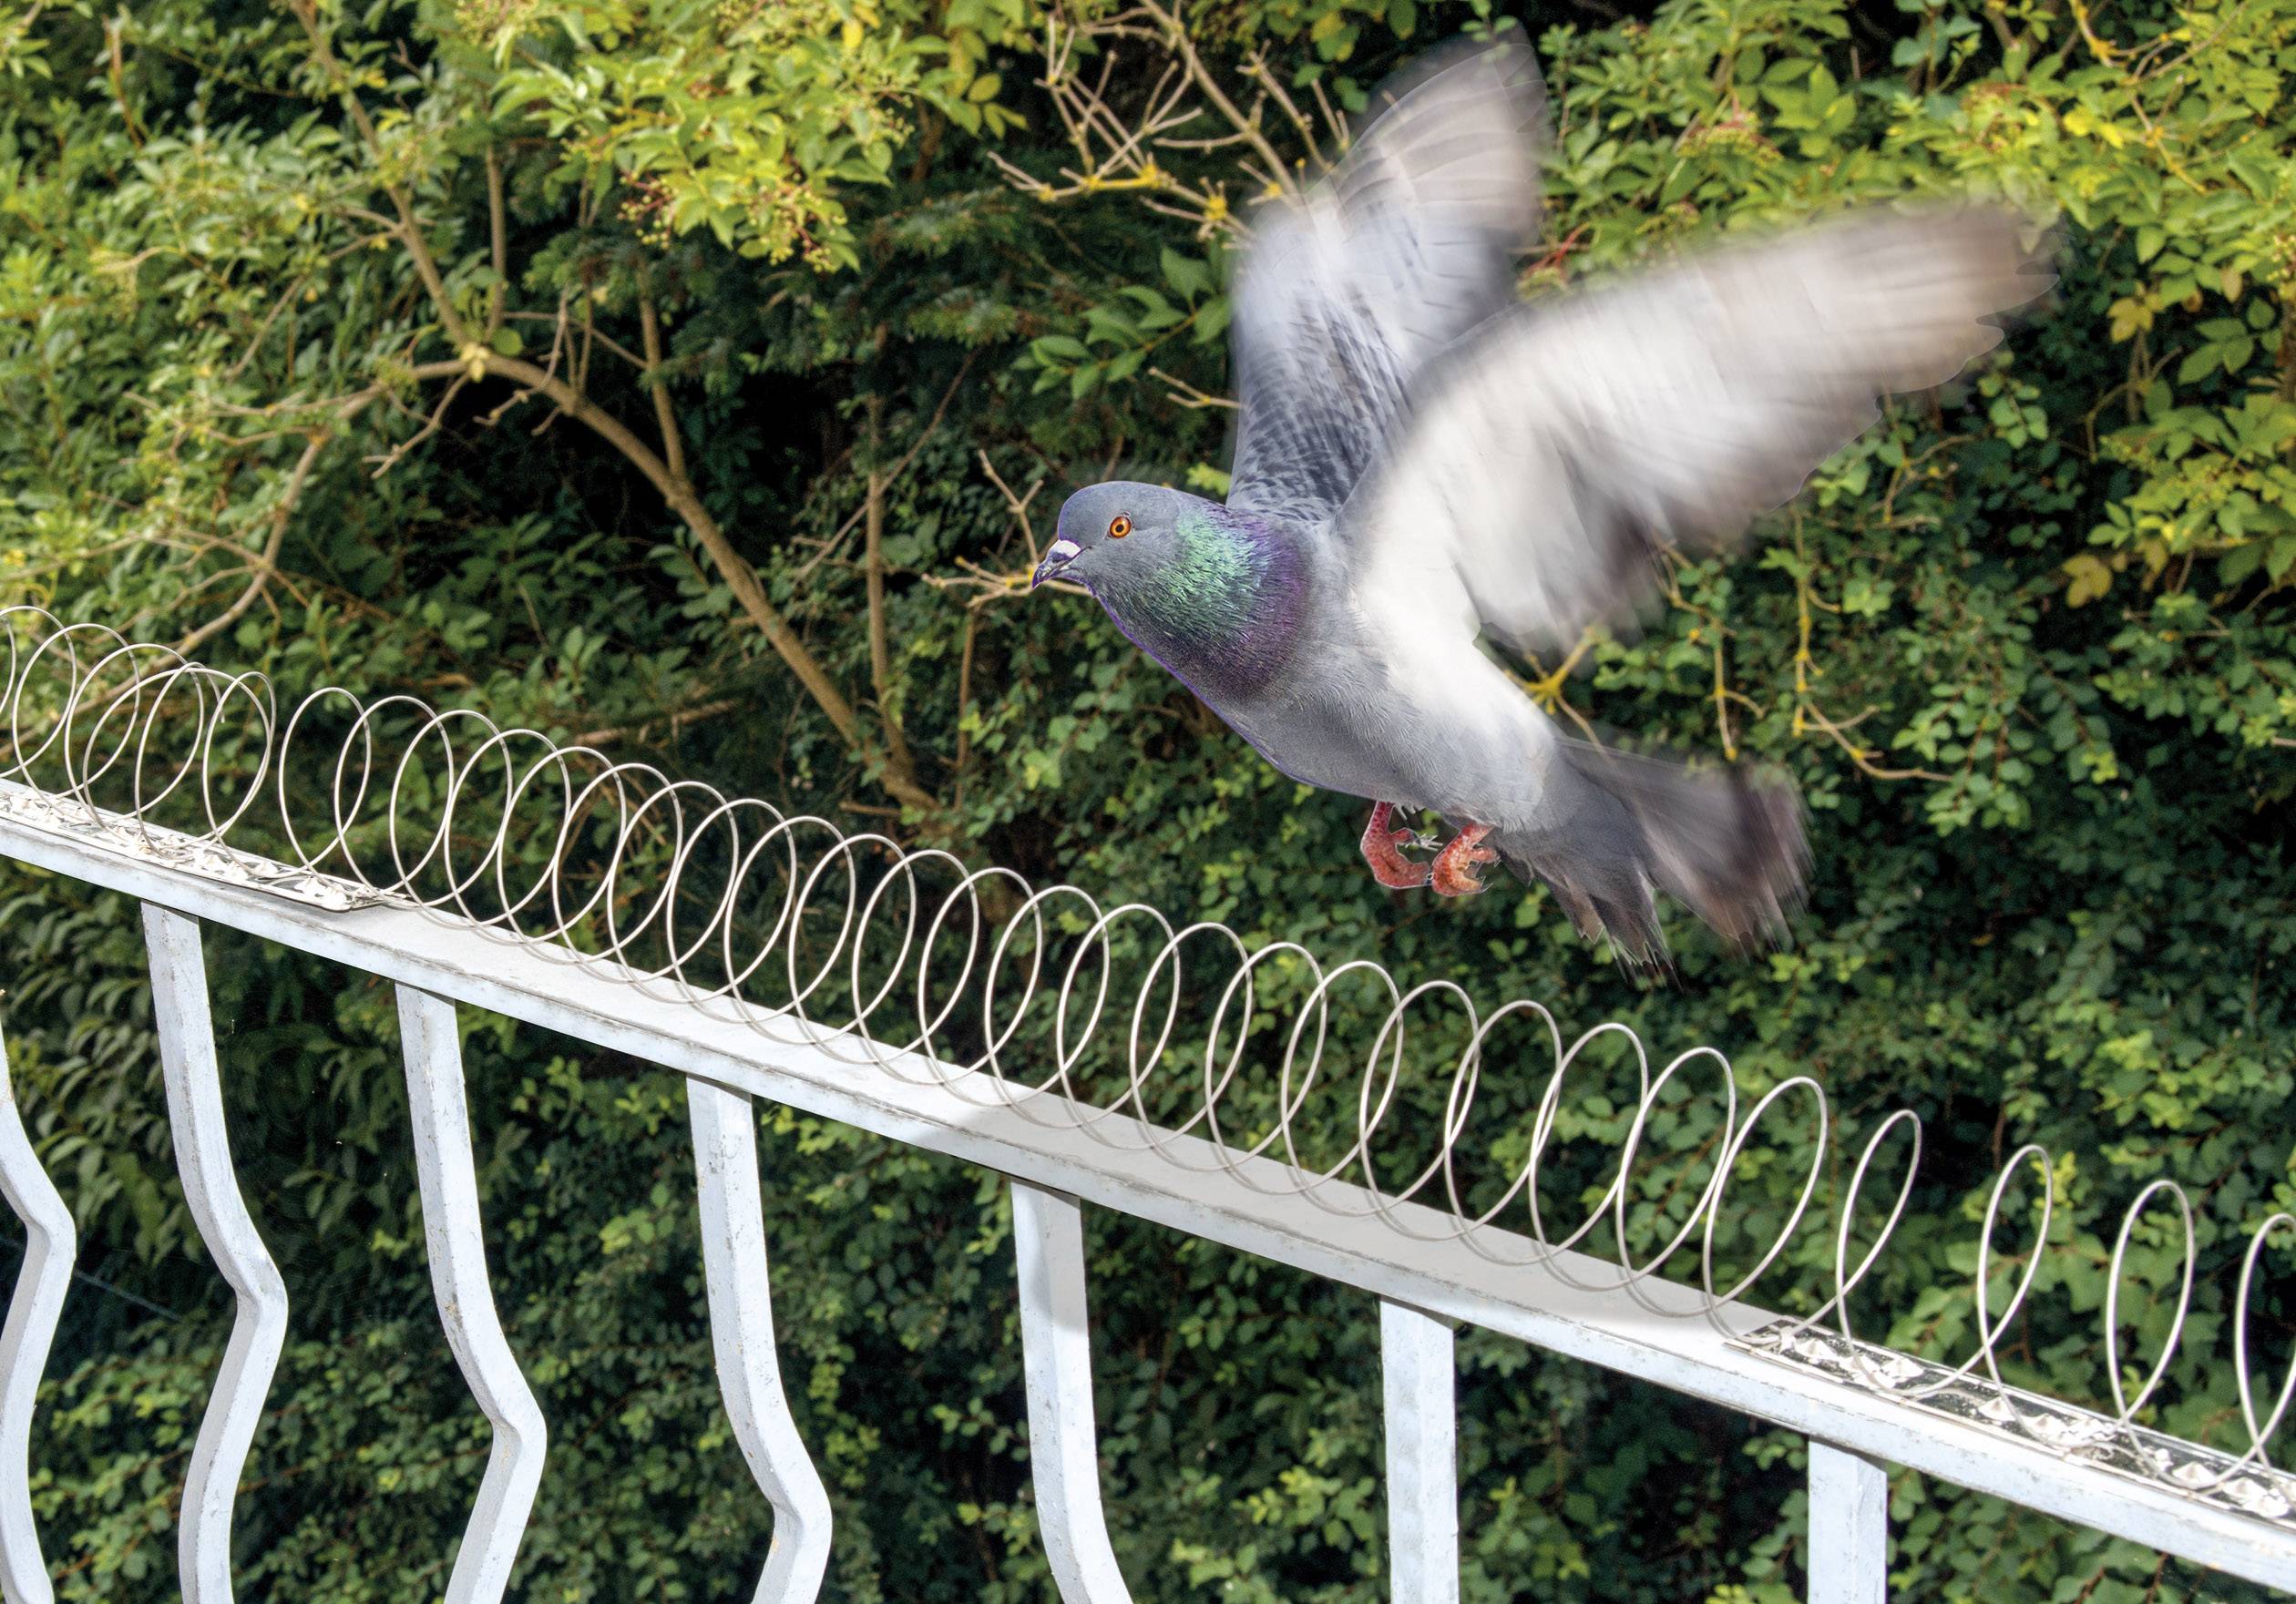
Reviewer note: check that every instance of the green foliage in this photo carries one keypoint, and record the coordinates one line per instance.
(483, 353)
(744, 117)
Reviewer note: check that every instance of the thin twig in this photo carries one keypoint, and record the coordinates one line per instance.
(616, 346)
(1176, 35)
(1858, 755)
(1016, 505)
(996, 586)
(263, 565)
(964, 705)
(1184, 394)
(1255, 67)
(391, 459)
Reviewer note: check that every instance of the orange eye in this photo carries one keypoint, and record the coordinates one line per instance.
(1119, 526)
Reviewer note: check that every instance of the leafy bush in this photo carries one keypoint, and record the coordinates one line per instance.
(675, 376)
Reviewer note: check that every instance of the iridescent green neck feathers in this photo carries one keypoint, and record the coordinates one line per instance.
(1221, 606)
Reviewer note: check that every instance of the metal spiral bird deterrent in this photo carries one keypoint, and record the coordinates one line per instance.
(812, 935)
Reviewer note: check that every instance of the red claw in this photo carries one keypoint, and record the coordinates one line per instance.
(1382, 841)
(1454, 869)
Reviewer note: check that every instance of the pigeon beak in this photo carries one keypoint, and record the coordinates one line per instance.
(1057, 556)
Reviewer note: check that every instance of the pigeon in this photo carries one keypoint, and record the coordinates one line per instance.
(1429, 467)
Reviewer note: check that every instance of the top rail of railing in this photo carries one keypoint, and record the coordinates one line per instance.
(1184, 1043)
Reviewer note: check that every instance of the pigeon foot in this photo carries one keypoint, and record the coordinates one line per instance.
(1453, 874)
(1389, 867)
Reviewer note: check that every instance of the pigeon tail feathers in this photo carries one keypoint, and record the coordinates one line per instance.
(1729, 846)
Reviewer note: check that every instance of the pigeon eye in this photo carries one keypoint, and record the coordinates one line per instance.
(1119, 526)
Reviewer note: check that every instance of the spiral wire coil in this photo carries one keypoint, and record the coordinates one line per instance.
(853, 945)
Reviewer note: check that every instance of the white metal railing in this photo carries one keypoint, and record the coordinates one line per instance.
(775, 957)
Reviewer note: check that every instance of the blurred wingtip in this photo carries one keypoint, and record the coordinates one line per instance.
(1505, 54)
(1473, 109)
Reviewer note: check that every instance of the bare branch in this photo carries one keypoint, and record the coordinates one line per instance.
(1332, 119)
(989, 585)
(873, 568)
(1176, 37)
(1255, 67)
(1116, 152)
(732, 567)
(266, 565)
(675, 720)
(665, 418)
(407, 229)
(499, 233)
(1016, 505)
(830, 546)
(558, 318)
(1862, 757)
(390, 459)
(665, 471)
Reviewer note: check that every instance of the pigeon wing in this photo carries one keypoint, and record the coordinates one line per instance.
(1342, 298)
(1559, 447)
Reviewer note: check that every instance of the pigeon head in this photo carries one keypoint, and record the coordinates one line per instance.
(1116, 531)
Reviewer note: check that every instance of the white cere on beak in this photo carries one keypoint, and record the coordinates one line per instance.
(1057, 556)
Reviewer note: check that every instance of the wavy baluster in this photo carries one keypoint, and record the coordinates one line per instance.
(742, 1332)
(211, 1187)
(50, 1244)
(449, 1182)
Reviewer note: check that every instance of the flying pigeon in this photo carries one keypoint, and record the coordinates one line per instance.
(1424, 460)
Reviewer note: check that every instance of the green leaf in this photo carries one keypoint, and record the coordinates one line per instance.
(2239, 562)
(1188, 276)
(2281, 558)
(2091, 579)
